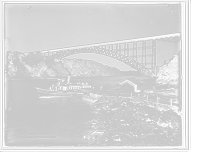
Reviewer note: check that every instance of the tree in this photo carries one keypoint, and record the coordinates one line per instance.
(170, 70)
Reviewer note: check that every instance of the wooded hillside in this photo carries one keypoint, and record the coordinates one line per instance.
(17, 67)
(170, 71)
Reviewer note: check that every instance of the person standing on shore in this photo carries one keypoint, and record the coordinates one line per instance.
(100, 87)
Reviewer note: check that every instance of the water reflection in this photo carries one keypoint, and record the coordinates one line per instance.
(47, 101)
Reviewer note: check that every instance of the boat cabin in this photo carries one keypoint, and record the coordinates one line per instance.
(73, 87)
(64, 84)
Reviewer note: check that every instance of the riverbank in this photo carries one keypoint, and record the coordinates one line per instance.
(165, 91)
(122, 122)
(154, 89)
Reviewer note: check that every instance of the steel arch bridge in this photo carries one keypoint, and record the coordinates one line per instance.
(131, 52)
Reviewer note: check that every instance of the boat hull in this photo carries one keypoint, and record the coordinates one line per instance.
(45, 93)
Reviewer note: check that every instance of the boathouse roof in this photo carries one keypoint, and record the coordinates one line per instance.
(132, 81)
(62, 78)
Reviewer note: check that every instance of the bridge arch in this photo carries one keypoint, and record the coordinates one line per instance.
(62, 54)
(120, 50)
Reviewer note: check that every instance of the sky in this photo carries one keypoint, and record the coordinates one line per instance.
(33, 27)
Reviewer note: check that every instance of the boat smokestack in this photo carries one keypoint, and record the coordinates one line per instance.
(68, 79)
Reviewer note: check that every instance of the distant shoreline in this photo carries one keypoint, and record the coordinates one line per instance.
(78, 77)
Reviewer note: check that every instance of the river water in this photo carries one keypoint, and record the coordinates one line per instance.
(33, 121)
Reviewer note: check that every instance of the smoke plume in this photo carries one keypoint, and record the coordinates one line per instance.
(34, 59)
(57, 66)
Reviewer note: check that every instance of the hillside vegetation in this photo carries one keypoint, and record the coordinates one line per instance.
(17, 67)
(169, 72)
(81, 67)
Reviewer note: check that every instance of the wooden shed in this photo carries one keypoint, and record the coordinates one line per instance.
(130, 84)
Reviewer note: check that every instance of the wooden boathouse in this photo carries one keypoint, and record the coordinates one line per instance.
(130, 84)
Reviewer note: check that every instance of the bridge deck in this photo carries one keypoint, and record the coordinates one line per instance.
(140, 54)
(116, 42)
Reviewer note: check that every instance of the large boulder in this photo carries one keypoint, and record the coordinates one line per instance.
(113, 106)
(164, 121)
(125, 118)
(174, 123)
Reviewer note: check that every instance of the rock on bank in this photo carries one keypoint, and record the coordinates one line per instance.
(128, 122)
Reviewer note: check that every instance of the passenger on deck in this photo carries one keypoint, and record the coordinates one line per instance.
(61, 83)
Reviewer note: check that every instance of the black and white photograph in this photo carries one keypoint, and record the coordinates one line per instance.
(108, 75)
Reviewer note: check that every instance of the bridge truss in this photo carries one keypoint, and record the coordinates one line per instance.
(139, 54)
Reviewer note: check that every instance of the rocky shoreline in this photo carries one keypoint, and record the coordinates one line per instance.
(128, 123)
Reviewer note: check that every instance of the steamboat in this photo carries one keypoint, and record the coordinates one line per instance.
(63, 88)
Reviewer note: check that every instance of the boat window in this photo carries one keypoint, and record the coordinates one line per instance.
(75, 87)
